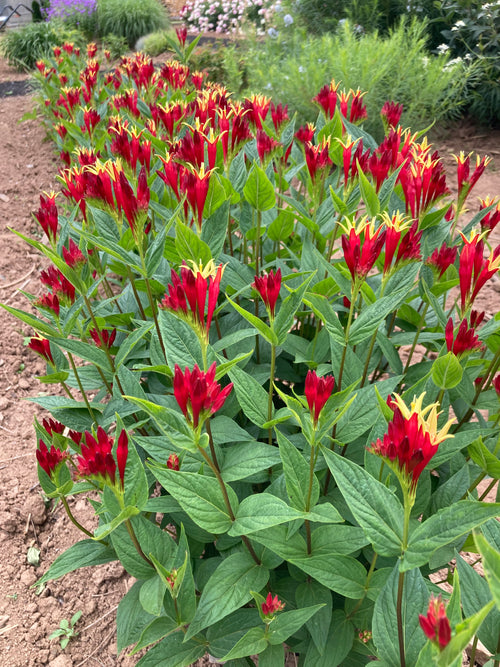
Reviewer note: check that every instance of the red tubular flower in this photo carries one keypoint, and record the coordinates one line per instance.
(305, 133)
(134, 207)
(52, 426)
(391, 114)
(318, 390)
(187, 295)
(436, 625)
(465, 340)
(96, 459)
(317, 158)
(72, 255)
(181, 35)
(279, 115)
(491, 219)
(268, 286)
(60, 285)
(465, 181)
(412, 438)
(42, 347)
(442, 258)
(47, 216)
(409, 248)
(197, 79)
(256, 107)
(194, 185)
(327, 99)
(272, 605)
(49, 459)
(91, 49)
(198, 394)
(49, 301)
(423, 180)
(103, 338)
(474, 270)
(357, 110)
(90, 119)
(173, 462)
(265, 144)
(360, 260)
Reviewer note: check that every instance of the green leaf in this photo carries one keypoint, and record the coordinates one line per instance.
(414, 602)
(83, 350)
(337, 645)
(482, 456)
(288, 622)
(323, 309)
(447, 371)
(491, 565)
(256, 322)
(189, 246)
(253, 399)
(151, 596)
(369, 194)
(282, 226)
(247, 458)
(173, 651)
(106, 528)
(228, 589)
(32, 321)
(372, 316)
(476, 595)
(465, 631)
(170, 422)
(156, 630)
(444, 527)
(82, 554)
(261, 511)
(214, 230)
(296, 472)
(273, 656)
(182, 345)
(130, 342)
(375, 508)
(253, 642)
(200, 497)
(310, 593)
(341, 574)
(286, 313)
(258, 190)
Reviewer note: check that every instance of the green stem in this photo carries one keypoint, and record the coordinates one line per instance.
(137, 299)
(473, 651)
(270, 395)
(72, 518)
(135, 542)
(408, 501)
(488, 489)
(367, 586)
(354, 296)
(417, 336)
(80, 386)
(368, 357)
(312, 461)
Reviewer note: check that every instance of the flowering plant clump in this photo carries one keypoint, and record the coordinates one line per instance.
(268, 339)
(226, 16)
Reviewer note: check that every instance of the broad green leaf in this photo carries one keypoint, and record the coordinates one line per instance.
(173, 651)
(414, 602)
(287, 623)
(228, 589)
(376, 509)
(308, 594)
(131, 619)
(323, 309)
(273, 656)
(214, 230)
(491, 565)
(152, 594)
(106, 528)
(258, 190)
(32, 321)
(199, 496)
(341, 574)
(372, 316)
(85, 351)
(247, 458)
(444, 527)
(252, 642)
(158, 629)
(182, 345)
(286, 313)
(82, 554)
(482, 456)
(261, 511)
(189, 246)
(476, 595)
(340, 540)
(170, 422)
(296, 471)
(224, 634)
(369, 194)
(282, 226)
(447, 371)
(338, 642)
(251, 396)
(256, 322)
(130, 342)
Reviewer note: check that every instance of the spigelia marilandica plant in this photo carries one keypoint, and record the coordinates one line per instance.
(237, 327)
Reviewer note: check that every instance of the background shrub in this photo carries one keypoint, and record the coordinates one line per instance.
(24, 46)
(75, 14)
(131, 19)
(398, 67)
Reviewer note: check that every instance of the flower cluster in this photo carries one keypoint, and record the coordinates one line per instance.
(198, 394)
(224, 16)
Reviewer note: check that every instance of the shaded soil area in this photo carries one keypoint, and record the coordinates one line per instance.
(28, 167)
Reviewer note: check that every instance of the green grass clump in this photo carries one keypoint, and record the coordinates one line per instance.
(131, 19)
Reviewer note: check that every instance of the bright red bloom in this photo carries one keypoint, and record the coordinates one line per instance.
(436, 625)
(47, 216)
(60, 285)
(198, 394)
(496, 384)
(318, 390)
(187, 295)
(442, 258)
(91, 49)
(305, 133)
(135, 207)
(465, 340)
(90, 119)
(327, 99)
(423, 180)
(412, 438)
(96, 459)
(42, 347)
(103, 338)
(49, 459)
(476, 318)
(360, 260)
(279, 115)
(49, 301)
(194, 185)
(265, 144)
(197, 79)
(317, 158)
(173, 462)
(181, 34)
(256, 108)
(491, 219)
(465, 181)
(72, 255)
(474, 269)
(268, 286)
(272, 605)
(52, 426)
(352, 107)
(391, 114)
(409, 248)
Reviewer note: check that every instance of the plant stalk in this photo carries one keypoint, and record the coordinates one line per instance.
(72, 518)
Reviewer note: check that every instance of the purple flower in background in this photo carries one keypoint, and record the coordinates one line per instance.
(64, 9)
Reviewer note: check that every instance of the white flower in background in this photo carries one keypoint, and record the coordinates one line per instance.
(278, 7)
(442, 48)
(288, 19)
(301, 69)
(458, 25)
(272, 32)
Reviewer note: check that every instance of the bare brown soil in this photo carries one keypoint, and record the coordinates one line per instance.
(27, 616)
